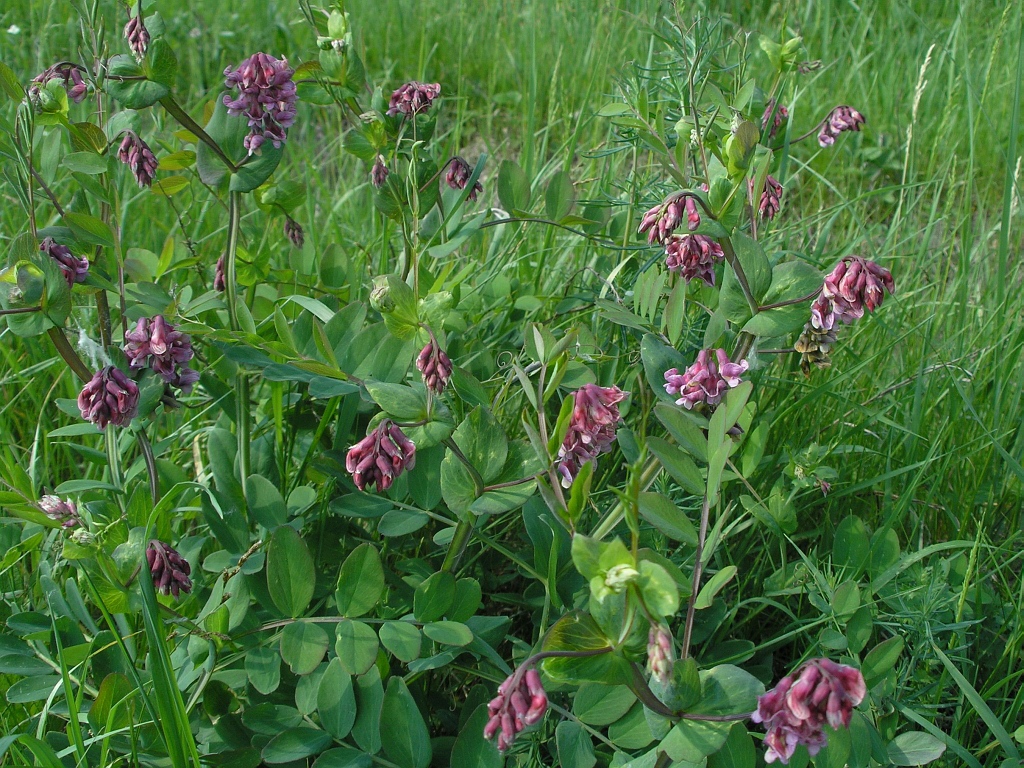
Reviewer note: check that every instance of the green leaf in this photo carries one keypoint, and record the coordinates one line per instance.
(369, 699)
(575, 749)
(295, 744)
(657, 358)
(881, 659)
(579, 632)
(398, 401)
(483, 443)
(303, 645)
(9, 83)
(684, 429)
(751, 257)
(678, 464)
(846, 599)
(85, 162)
(715, 584)
(858, 628)
(229, 133)
(559, 197)
(448, 633)
(471, 750)
(914, 748)
(434, 596)
(89, 229)
(263, 667)
(408, 742)
(667, 517)
(790, 280)
(356, 646)
(291, 577)
(161, 63)
(361, 581)
(513, 187)
(599, 705)
(336, 701)
(133, 94)
(403, 639)
(344, 757)
(266, 505)
(737, 752)
(659, 591)
(851, 546)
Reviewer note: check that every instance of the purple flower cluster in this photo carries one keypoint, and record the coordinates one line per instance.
(379, 173)
(693, 256)
(70, 74)
(380, 457)
(770, 201)
(266, 96)
(706, 381)
(781, 115)
(435, 366)
(137, 35)
(796, 710)
(293, 231)
(60, 510)
(458, 177)
(170, 571)
(74, 268)
(110, 397)
(219, 282)
(521, 702)
(136, 154)
(155, 343)
(853, 285)
(591, 428)
(840, 119)
(413, 98)
(663, 219)
(660, 653)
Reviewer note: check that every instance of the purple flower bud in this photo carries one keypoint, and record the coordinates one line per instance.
(693, 256)
(380, 457)
(591, 428)
(413, 98)
(781, 115)
(139, 158)
(840, 119)
(70, 74)
(705, 382)
(379, 173)
(815, 343)
(795, 713)
(155, 343)
(109, 397)
(458, 176)
(219, 283)
(770, 203)
(170, 571)
(435, 366)
(266, 97)
(293, 231)
(662, 220)
(520, 703)
(853, 285)
(137, 35)
(660, 653)
(74, 268)
(60, 510)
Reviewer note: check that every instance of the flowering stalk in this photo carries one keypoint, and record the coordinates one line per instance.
(698, 569)
(183, 117)
(231, 295)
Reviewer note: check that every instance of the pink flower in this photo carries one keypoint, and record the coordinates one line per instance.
(770, 202)
(136, 154)
(293, 231)
(435, 366)
(853, 285)
(660, 652)
(693, 256)
(266, 97)
(521, 702)
(380, 457)
(413, 98)
(591, 428)
(61, 510)
(781, 115)
(663, 219)
(109, 397)
(219, 283)
(170, 571)
(840, 119)
(823, 313)
(796, 710)
(137, 35)
(74, 268)
(155, 343)
(70, 73)
(706, 381)
(379, 173)
(458, 176)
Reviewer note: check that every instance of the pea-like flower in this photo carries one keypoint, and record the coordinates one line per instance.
(435, 366)
(770, 201)
(219, 281)
(693, 256)
(840, 119)
(663, 219)
(413, 98)
(266, 97)
(74, 268)
(136, 154)
(110, 397)
(781, 116)
(137, 35)
(855, 284)
(796, 710)
(591, 428)
(660, 653)
(70, 74)
(170, 571)
(293, 231)
(458, 177)
(60, 510)
(156, 344)
(379, 173)
(706, 381)
(521, 702)
(380, 457)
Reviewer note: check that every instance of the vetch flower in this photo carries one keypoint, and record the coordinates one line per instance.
(458, 176)
(60, 510)
(155, 343)
(521, 702)
(435, 366)
(660, 653)
(293, 231)
(823, 313)
(413, 98)
(380, 457)
(856, 283)
(219, 283)
(840, 119)
(137, 35)
(170, 571)
(706, 381)
(663, 219)
(379, 173)
(770, 202)
(693, 256)
(814, 346)
(781, 115)
(70, 74)
(110, 397)
(591, 428)
(796, 710)
(74, 268)
(266, 97)
(139, 158)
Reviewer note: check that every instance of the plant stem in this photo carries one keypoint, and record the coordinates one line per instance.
(186, 120)
(241, 380)
(741, 276)
(64, 348)
(478, 481)
(113, 456)
(698, 567)
(650, 471)
(788, 302)
(459, 542)
(147, 454)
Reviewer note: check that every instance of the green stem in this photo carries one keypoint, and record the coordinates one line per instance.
(478, 481)
(698, 567)
(459, 542)
(64, 348)
(231, 291)
(650, 471)
(113, 456)
(186, 120)
(741, 276)
(147, 454)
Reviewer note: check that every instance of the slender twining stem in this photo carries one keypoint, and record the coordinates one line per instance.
(186, 120)
(698, 567)
(231, 291)
(20, 311)
(812, 295)
(64, 348)
(49, 193)
(147, 454)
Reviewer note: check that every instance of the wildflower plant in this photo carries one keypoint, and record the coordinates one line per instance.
(372, 496)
